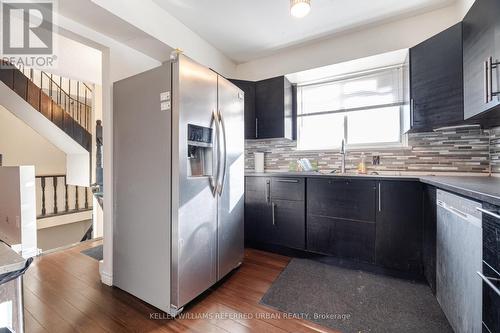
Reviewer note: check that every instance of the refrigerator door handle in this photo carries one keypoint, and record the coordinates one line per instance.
(224, 144)
(214, 181)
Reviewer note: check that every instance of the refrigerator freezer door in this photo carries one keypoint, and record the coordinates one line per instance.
(141, 172)
(231, 190)
(194, 204)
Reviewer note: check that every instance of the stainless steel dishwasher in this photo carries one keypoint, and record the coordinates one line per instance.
(458, 257)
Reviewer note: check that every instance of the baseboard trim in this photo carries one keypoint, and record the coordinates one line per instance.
(26, 252)
(106, 278)
(65, 247)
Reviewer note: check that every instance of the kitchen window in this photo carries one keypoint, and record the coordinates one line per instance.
(365, 110)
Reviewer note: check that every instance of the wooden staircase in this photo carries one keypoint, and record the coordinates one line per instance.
(47, 97)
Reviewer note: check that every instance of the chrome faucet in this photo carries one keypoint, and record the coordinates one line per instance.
(343, 152)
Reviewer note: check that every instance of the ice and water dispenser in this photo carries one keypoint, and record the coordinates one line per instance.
(200, 151)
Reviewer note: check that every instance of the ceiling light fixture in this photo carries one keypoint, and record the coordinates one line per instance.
(300, 8)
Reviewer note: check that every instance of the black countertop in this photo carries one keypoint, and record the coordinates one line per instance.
(485, 189)
(482, 188)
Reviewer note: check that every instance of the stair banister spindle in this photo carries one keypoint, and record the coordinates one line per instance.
(86, 113)
(42, 182)
(60, 90)
(86, 198)
(78, 101)
(54, 181)
(77, 205)
(69, 99)
(66, 202)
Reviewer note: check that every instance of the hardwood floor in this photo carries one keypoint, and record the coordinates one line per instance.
(63, 293)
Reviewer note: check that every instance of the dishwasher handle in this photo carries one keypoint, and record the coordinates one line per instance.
(489, 283)
(464, 214)
(487, 212)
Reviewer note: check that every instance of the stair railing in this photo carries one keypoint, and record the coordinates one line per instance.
(78, 104)
(55, 197)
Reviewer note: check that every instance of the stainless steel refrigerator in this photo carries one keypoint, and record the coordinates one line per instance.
(178, 172)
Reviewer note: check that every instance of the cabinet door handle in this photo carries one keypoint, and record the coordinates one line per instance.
(486, 82)
(379, 197)
(492, 65)
(273, 207)
(487, 212)
(268, 191)
(256, 128)
(287, 180)
(412, 111)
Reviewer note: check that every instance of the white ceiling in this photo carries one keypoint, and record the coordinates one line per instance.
(96, 18)
(248, 29)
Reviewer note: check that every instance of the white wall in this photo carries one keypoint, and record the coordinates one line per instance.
(21, 145)
(77, 61)
(125, 62)
(63, 234)
(78, 169)
(463, 6)
(18, 209)
(74, 60)
(369, 41)
(34, 119)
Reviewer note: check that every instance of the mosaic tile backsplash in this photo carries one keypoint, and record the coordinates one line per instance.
(495, 150)
(456, 150)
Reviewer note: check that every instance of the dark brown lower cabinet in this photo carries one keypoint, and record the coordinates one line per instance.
(429, 236)
(341, 218)
(257, 209)
(288, 225)
(399, 226)
(341, 238)
(270, 219)
(365, 220)
(349, 199)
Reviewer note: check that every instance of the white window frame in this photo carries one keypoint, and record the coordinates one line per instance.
(403, 137)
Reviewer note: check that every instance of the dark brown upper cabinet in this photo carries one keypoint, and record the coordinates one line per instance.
(248, 88)
(436, 76)
(273, 108)
(268, 108)
(481, 51)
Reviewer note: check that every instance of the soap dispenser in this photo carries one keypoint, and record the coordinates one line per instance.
(362, 165)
